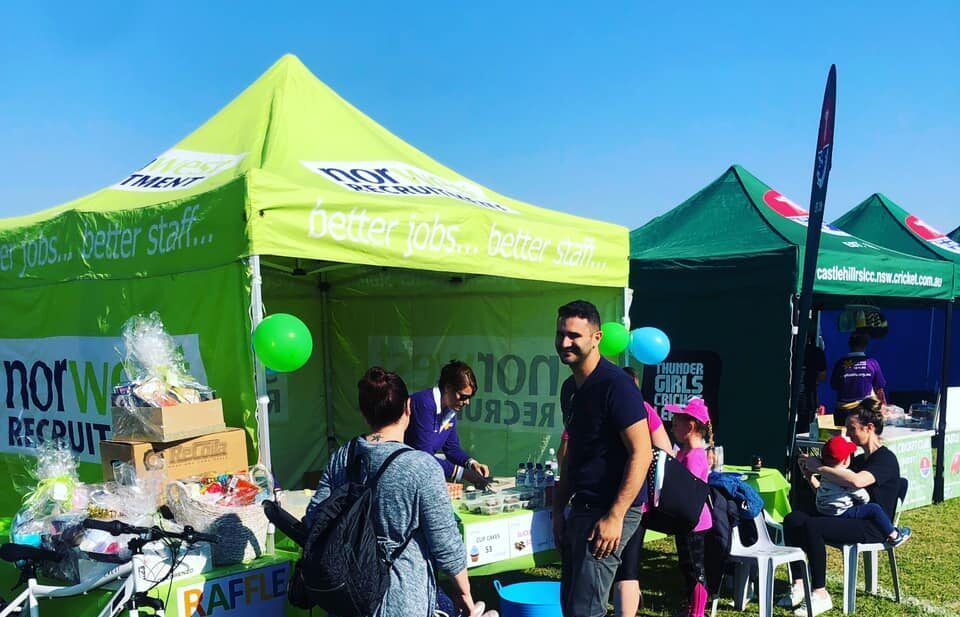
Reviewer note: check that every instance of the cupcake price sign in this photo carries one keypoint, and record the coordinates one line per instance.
(487, 542)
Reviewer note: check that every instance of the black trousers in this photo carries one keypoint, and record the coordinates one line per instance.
(813, 533)
(690, 550)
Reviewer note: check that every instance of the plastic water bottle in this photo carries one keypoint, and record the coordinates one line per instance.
(538, 476)
(549, 480)
(531, 476)
(521, 478)
(552, 460)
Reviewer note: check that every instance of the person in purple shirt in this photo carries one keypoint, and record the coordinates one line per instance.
(856, 377)
(433, 423)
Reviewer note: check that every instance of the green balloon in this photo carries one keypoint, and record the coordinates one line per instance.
(615, 339)
(282, 342)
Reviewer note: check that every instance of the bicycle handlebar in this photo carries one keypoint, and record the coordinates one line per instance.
(117, 528)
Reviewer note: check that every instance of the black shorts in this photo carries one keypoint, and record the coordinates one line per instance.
(629, 569)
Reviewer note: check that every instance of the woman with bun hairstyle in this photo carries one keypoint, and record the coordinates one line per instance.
(411, 502)
(876, 470)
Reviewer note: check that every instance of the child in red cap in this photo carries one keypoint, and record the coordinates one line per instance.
(836, 500)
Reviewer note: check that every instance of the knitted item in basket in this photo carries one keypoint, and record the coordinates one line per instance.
(241, 530)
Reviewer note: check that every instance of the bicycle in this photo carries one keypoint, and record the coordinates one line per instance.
(129, 597)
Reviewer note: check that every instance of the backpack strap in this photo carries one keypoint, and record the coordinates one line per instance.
(353, 462)
(372, 484)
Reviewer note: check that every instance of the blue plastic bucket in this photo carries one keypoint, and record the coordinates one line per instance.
(537, 599)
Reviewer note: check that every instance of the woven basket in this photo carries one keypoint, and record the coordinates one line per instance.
(242, 530)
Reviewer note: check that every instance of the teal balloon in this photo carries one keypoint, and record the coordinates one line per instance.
(615, 339)
(282, 342)
(649, 345)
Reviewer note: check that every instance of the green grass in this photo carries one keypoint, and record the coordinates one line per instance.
(929, 574)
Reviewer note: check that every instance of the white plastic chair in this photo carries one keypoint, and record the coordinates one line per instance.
(766, 556)
(870, 552)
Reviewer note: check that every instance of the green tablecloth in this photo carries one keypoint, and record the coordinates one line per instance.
(772, 486)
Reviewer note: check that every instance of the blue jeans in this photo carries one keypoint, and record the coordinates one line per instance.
(871, 512)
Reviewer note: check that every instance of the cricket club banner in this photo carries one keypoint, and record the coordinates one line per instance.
(60, 388)
(684, 374)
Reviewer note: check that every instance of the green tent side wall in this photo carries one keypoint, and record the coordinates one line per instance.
(740, 309)
(66, 337)
(413, 322)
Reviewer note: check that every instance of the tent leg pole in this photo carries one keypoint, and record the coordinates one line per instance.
(627, 302)
(327, 364)
(263, 401)
(940, 437)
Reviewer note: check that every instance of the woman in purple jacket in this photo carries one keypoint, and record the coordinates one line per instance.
(433, 423)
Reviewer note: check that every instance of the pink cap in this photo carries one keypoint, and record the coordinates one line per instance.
(695, 408)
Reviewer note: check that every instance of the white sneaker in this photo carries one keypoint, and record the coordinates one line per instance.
(820, 604)
(792, 599)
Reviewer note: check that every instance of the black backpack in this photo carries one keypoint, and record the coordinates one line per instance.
(343, 569)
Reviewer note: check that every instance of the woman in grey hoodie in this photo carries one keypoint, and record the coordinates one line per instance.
(411, 501)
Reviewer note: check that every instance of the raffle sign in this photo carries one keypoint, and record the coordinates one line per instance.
(684, 374)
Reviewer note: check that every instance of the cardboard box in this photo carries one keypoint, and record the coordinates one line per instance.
(223, 452)
(164, 424)
(827, 428)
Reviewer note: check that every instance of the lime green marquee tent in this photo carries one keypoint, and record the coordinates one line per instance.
(291, 200)
(721, 272)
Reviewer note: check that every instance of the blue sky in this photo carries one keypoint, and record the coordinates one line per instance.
(615, 111)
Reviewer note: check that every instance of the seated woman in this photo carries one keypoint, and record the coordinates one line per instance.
(876, 470)
(411, 502)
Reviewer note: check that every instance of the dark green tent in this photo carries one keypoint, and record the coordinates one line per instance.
(955, 234)
(720, 274)
(880, 220)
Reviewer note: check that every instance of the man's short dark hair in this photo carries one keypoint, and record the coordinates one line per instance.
(582, 309)
(457, 374)
(859, 340)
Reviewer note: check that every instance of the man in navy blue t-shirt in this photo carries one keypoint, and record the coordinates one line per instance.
(605, 467)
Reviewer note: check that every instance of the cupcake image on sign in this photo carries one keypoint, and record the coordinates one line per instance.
(926, 467)
(955, 464)
(474, 554)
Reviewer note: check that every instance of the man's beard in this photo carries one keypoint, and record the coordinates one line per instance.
(572, 357)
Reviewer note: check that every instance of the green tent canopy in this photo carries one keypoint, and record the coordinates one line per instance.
(720, 274)
(955, 234)
(291, 200)
(879, 219)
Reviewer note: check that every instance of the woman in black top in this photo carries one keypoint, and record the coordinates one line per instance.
(876, 470)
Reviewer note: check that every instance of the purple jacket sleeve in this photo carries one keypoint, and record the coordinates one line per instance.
(452, 449)
(421, 436)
